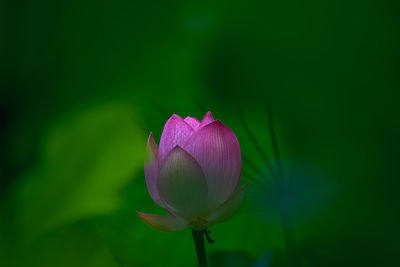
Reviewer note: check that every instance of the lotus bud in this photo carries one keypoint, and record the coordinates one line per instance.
(194, 175)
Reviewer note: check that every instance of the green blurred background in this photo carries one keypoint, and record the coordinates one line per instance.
(84, 82)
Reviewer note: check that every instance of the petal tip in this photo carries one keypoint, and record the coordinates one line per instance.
(175, 148)
(191, 118)
(192, 121)
(152, 146)
(162, 223)
(175, 117)
(208, 118)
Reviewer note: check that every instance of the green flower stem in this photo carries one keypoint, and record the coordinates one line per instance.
(198, 237)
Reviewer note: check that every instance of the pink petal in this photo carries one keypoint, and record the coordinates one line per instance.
(163, 223)
(229, 207)
(182, 185)
(151, 170)
(176, 132)
(192, 122)
(208, 118)
(217, 150)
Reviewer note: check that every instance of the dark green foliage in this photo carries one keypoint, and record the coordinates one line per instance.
(84, 82)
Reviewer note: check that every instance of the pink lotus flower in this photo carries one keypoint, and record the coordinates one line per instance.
(194, 175)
